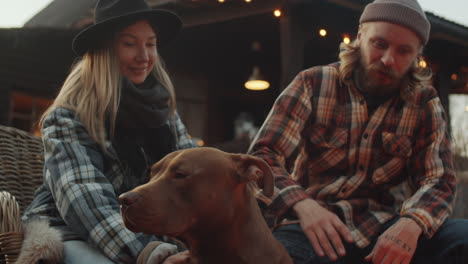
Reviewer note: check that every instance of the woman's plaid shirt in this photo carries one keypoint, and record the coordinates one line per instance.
(322, 143)
(81, 186)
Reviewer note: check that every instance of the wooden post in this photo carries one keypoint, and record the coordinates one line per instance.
(4, 106)
(443, 81)
(292, 44)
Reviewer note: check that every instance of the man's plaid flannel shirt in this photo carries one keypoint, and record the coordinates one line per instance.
(367, 168)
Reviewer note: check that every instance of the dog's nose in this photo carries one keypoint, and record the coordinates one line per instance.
(128, 198)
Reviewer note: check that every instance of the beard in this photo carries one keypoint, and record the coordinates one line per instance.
(377, 79)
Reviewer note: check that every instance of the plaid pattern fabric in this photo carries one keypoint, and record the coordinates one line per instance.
(323, 144)
(81, 186)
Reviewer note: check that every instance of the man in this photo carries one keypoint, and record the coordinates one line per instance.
(361, 153)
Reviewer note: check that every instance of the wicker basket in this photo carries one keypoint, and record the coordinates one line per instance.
(11, 233)
(21, 165)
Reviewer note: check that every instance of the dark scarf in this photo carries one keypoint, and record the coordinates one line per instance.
(142, 135)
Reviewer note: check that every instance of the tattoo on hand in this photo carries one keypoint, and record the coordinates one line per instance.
(398, 242)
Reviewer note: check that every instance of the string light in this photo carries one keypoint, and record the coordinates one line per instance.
(277, 13)
(346, 39)
(454, 76)
(201, 143)
(322, 32)
(422, 63)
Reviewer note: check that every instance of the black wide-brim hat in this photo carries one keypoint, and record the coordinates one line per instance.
(109, 14)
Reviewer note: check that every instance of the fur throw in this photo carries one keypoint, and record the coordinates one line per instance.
(41, 243)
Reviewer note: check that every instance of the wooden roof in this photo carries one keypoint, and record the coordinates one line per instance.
(77, 14)
(31, 48)
(35, 60)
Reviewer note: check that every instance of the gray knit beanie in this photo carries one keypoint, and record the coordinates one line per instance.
(407, 13)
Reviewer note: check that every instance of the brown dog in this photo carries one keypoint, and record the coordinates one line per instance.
(202, 197)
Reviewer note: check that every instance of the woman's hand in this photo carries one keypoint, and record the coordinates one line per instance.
(156, 252)
(323, 229)
(179, 258)
(397, 244)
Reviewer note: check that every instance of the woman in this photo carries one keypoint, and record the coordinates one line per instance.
(113, 118)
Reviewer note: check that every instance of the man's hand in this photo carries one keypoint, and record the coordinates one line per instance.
(323, 229)
(179, 258)
(397, 244)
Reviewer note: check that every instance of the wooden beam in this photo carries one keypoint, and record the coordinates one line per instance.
(350, 4)
(210, 13)
(441, 35)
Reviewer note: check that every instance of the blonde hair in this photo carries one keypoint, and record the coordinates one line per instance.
(416, 78)
(92, 91)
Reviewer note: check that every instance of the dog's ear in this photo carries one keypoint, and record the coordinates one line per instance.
(251, 168)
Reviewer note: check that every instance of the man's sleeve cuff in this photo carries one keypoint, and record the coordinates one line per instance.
(286, 199)
(426, 231)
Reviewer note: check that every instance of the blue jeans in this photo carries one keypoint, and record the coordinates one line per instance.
(79, 252)
(448, 246)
